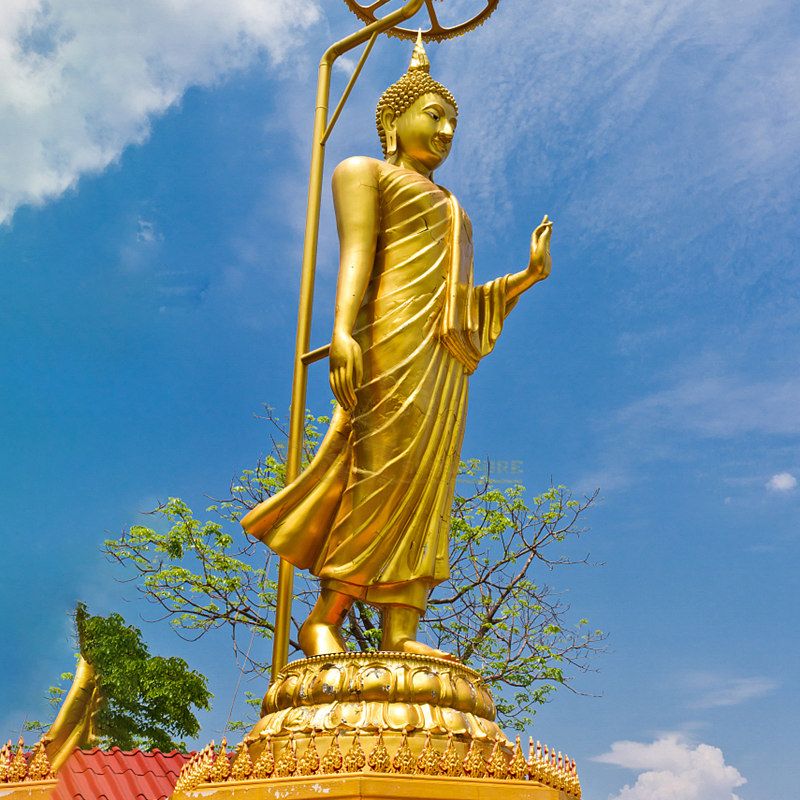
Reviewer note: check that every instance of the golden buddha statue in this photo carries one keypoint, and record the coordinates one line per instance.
(370, 516)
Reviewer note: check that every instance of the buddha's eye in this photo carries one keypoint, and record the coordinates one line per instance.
(434, 116)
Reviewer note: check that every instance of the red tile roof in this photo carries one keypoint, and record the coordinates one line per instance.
(119, 775)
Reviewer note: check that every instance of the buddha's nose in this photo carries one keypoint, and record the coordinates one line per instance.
(447, 131)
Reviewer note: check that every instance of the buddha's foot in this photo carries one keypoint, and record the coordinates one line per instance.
(318, 639)
(413, 646)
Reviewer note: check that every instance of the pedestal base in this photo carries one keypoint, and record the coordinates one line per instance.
(378, 725)
(392, 692)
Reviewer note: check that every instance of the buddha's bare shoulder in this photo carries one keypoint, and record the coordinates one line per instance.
(358, 170)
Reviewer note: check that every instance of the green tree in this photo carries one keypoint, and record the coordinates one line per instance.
(495, 612)
(147, 701)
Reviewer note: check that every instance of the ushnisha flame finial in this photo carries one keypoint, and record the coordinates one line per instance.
(419, 58)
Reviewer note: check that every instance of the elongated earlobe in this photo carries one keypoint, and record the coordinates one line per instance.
(391, 142)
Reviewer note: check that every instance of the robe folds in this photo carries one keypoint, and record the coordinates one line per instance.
(370, 515)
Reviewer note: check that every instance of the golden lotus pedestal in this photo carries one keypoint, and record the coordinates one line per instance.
(375, 726)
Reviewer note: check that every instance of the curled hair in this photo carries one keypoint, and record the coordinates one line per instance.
(400, 95)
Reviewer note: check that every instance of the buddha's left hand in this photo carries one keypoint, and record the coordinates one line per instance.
(540, 263)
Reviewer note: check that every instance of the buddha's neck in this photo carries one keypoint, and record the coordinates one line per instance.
(409, 162)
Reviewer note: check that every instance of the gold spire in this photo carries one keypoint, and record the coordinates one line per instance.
(419, 58)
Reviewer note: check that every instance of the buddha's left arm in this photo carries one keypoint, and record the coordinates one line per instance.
(539, 265)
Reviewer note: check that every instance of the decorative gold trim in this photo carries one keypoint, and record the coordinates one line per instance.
(279, 760)
(242, 767)
(17, 768)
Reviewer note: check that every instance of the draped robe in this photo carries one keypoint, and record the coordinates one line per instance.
(370, 515)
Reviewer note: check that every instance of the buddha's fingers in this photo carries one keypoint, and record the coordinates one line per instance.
(350, 390)
(358, 364)
(336, 386)
(348, 394)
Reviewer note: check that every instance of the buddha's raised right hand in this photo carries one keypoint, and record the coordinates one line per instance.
(346, 369)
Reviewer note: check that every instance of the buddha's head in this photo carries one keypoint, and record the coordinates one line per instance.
(416, 116)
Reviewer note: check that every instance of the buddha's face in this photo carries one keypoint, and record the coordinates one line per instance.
(425, 130)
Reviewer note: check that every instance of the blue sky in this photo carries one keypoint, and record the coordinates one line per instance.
(153, 164)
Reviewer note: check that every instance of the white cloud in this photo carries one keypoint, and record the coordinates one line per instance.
(782, 482)
(721, 406)
(659, 116)
(672, 768)
(716, 691)
(83, 79)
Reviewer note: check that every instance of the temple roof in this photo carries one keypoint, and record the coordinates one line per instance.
(119, 775)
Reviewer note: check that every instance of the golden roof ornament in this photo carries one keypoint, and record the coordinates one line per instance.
(286, 765)
(19, 766)
(196, 774)
(5, 761)
(474, 765)
(518, 767)
(404, 761)
(428, 761)
(332, 760)
(533, 760)
(355, 759)
(265, 763)
(450, 762)
(206, 763)
(308, 763)
(379, 759)
(183, 775)
(222, 766)
(242, 765)
(552, 769)
(497, 764)
(39, 767)
(562, 775)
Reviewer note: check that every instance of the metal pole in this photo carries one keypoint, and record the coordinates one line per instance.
(283, 610)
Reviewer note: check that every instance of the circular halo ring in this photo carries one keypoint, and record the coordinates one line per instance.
(437, 32)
